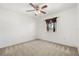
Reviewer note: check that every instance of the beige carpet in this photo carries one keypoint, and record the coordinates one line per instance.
(39, 48)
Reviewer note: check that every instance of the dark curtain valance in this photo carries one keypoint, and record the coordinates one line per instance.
(51, 19)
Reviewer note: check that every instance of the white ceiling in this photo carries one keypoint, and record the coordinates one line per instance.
(22, 7)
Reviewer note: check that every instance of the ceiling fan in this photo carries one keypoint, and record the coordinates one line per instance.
(38, 9)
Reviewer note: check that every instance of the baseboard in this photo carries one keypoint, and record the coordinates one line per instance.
(56, 43)
(45, 41)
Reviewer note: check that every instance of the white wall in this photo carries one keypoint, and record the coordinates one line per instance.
(78, 26)
(15, 28)
(66, 28)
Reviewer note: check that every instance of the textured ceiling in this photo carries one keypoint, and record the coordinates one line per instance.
(22, 7)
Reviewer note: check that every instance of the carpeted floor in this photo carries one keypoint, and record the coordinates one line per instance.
(39, 48)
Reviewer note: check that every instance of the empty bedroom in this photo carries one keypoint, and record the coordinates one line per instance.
(39, 29)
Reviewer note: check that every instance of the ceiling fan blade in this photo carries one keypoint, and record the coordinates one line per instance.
(32, 5)
(44, 6)
(29, 10)
(43, 12)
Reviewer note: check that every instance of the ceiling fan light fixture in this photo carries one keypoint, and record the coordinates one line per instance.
(37, 9)
(37, 12)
